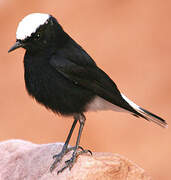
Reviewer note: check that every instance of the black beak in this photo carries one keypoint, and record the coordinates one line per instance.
(17, 45)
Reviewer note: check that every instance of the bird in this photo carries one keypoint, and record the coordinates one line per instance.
(63, 77)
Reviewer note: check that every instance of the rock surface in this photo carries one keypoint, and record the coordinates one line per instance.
(23, 160)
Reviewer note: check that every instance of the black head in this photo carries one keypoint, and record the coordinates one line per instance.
(38, 31)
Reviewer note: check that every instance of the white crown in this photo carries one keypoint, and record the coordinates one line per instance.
(29, 24)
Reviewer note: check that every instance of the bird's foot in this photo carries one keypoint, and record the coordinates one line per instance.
(69, 163)
(58, 157)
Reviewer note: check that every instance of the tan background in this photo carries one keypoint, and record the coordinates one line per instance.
(131, 41)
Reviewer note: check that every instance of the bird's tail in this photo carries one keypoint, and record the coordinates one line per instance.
(146, 114)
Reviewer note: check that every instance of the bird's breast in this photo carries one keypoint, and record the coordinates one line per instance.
(53, 90)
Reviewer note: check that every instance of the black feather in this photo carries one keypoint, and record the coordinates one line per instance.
(60, 75)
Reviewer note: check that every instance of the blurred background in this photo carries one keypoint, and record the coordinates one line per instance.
(131, 41)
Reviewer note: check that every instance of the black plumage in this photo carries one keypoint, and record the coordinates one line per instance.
(60, 75)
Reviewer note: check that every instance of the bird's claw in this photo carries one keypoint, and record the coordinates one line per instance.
(58, 158)
(69, 163)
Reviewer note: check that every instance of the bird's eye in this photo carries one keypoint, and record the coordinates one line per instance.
(37, 37)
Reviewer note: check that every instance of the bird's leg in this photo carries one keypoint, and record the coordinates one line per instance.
(65, 149)
(69, 163)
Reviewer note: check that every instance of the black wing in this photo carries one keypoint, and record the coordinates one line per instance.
(93, 79)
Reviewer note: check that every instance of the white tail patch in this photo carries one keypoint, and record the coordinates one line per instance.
(148, 115)
(99, 103)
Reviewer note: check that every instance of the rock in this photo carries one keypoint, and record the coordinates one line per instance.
(23, 160)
